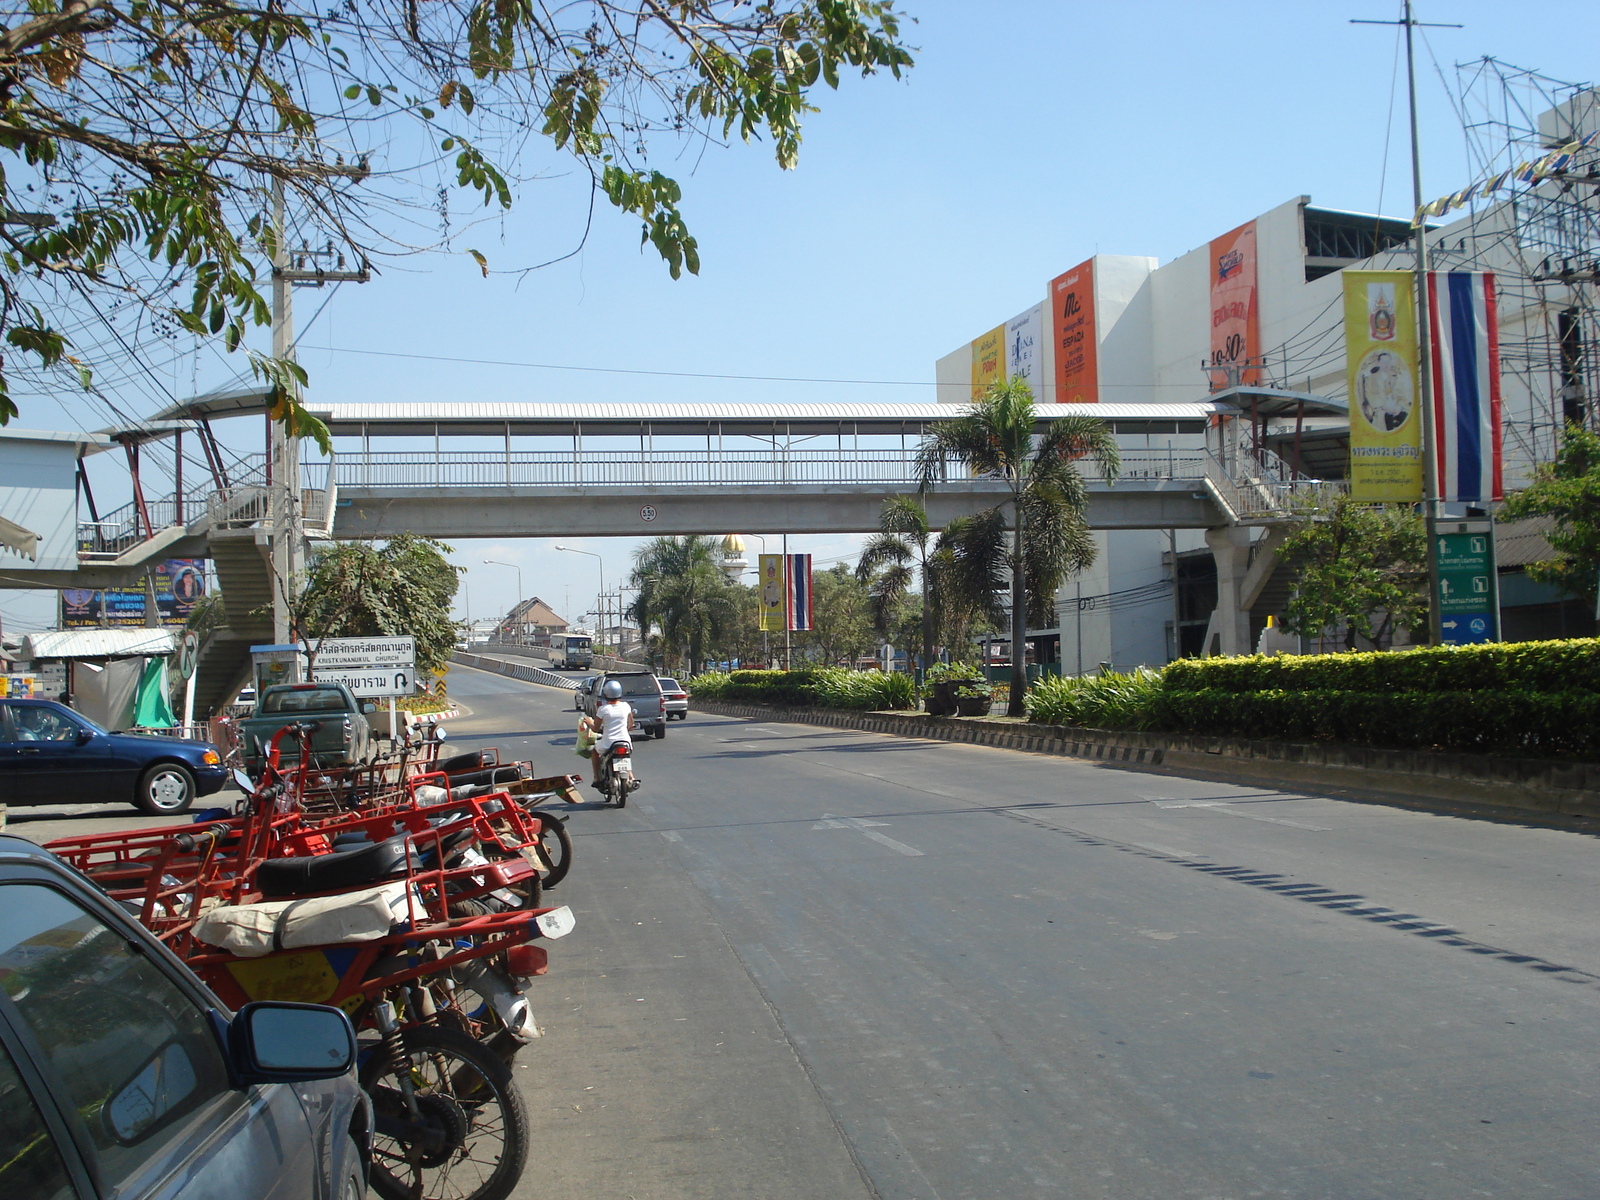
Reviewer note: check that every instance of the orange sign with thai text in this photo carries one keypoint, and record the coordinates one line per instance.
(1073, 336)
(1235, 325)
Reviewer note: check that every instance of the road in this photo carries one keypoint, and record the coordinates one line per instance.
(814, 964)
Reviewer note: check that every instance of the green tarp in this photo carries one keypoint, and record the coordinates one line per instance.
(150, 707)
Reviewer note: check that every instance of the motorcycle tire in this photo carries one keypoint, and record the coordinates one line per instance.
(557, 845)
(475, 1145)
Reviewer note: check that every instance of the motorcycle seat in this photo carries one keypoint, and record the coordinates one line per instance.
(341, 870)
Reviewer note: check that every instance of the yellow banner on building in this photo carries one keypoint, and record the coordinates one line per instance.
(1380, 343)
(988, 361)
(771, 597)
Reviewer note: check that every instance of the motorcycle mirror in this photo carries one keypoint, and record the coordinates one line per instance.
(438, 734)
(243, 782)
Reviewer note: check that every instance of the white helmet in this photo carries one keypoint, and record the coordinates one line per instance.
(611, 690)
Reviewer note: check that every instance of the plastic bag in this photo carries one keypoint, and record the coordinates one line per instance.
(586, 740)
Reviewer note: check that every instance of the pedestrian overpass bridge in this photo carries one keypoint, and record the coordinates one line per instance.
(465, 470)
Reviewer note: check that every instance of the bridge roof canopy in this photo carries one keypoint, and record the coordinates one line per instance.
(426, 418)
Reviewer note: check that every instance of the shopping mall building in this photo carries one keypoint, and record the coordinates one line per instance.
(1254, 320)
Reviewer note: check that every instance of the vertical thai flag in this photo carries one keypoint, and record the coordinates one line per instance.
(1466, 385)
(797, 585)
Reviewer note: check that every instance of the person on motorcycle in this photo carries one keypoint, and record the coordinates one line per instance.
(613, 718)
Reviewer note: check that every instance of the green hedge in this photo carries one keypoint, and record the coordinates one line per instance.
(1513, 722)
(827, 687)
(1567, 666)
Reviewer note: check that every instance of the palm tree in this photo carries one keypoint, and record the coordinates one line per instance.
(1049, 535)
(682, 590)
(886, 562)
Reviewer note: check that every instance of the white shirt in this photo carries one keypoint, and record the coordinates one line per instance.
(613, 715)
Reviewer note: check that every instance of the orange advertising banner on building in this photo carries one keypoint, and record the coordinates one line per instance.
(1235, 324)
(1073, 336)
(988, 361)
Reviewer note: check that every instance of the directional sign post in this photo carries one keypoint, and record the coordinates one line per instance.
(372, 668)
(1469, 589)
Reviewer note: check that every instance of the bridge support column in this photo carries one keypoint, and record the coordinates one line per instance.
(1229, 630)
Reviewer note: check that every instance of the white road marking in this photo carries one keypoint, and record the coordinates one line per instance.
(672, 835)
(1223, 807)
(829, 821)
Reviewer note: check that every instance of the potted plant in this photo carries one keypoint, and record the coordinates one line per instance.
(943, 681)
(973, 698)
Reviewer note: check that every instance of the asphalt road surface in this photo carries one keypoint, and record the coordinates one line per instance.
(815, 964)
(824, 964)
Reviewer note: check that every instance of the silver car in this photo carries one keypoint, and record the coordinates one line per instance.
(121, 1074)
(673, 698)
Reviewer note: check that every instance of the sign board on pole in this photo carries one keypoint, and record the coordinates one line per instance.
(368, 683)
(371, 667)
(1469, 598)
(366, 652)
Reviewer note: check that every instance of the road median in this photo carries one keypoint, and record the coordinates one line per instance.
(1548, 789)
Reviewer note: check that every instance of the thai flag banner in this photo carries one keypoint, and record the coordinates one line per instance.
(1466, 385)
(797, 586)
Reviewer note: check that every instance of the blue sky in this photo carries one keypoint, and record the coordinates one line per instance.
(923, 212)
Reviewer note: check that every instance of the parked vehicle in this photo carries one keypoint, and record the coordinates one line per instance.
(343, 736)
(674, 700)
(639, 689)
(50, 753)
(120, 1072)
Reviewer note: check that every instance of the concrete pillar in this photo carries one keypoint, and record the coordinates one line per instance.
(1230, 622)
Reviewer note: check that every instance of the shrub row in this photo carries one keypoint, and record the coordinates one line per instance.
(828, 687)
(1513, 722)
(1566, 666)
(1101, 701)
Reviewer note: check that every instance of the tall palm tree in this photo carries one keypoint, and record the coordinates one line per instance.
(1049, 535)
(682, 590)
(886, 561)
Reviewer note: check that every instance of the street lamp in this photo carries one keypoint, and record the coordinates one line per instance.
(493, 562)
(602, 562)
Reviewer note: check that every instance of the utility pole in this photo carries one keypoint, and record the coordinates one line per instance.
(1430, 465)
(284, 517)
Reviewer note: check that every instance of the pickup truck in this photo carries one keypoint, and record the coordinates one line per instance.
(345, 736)
(640, 689)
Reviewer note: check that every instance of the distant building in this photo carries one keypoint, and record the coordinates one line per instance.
(528, 618)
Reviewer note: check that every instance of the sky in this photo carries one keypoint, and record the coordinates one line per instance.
(923, 212)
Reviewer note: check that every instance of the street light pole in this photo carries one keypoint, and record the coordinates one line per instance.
(492, 562)
(602, 562)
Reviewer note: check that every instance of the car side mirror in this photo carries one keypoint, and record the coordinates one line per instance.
(274, 1041)
(84, 736)
(369, 708)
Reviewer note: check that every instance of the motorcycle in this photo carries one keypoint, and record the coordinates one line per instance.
(616, 774)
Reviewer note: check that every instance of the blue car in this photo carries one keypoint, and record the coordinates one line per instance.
(50, 753)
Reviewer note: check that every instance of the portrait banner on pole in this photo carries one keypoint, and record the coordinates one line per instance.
(798, 587)
(771, 598)
(1380, 342)
(1235, 323)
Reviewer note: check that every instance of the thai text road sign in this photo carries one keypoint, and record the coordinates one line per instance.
(370, 667)
(1469, 601)
(366, 652)
(369, 682)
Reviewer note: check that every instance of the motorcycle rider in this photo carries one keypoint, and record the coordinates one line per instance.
(612, 720)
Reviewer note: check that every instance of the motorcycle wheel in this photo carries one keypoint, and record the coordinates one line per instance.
(621, 784)
(557, 846)
(472, 1143)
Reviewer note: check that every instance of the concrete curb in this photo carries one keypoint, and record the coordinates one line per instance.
(1547, 788)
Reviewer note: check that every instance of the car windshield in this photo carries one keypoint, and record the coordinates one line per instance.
(307, 700)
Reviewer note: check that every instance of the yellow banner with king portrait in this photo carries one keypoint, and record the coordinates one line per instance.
(770, 592)
(1380, 342)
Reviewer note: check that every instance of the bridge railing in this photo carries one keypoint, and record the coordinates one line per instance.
(628, 468)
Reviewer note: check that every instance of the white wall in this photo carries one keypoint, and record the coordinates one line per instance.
(38, 491)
